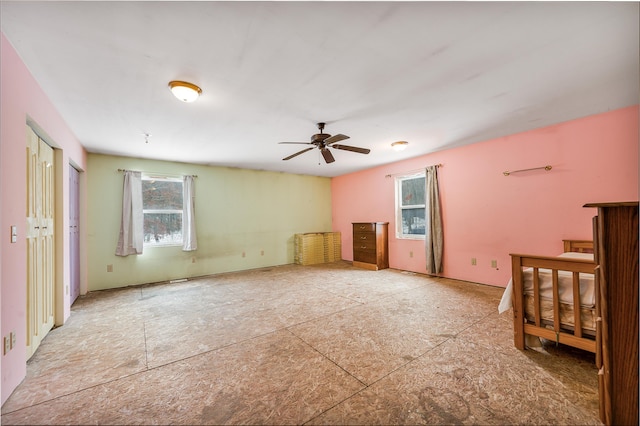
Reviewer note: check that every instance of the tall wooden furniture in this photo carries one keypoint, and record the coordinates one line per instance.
(371, 245)
(616, 254)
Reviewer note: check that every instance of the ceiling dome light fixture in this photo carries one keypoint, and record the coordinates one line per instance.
(399, 146)
(186, 92)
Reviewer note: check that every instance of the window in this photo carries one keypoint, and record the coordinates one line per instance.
(410, 206)
(162, 210)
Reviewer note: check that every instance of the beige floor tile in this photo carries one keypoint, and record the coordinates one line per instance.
(374, 339)
(88, 350)
(274, 379)
(463, 381)
(190, 330)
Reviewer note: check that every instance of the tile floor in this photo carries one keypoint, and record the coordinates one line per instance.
(322, 344)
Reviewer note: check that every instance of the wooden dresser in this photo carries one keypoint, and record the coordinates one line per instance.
(616, 254)
(371, 245)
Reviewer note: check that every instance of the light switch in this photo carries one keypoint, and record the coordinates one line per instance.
(14, 234)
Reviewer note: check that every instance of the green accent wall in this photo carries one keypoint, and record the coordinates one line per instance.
(245, 219)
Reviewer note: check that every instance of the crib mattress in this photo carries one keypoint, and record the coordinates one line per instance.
(567, 318)
(565, 283)
(565, 286)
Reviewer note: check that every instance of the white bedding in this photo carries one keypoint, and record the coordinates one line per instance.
(565, 285)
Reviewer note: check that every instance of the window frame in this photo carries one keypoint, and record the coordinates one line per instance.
(399, 207)
(150, 177)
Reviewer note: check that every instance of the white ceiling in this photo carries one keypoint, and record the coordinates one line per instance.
(436, 74)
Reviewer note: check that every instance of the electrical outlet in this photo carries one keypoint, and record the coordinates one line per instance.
(411, 253)
(474, 262)
(494, 263)
(109, 268)
(244, 254)
(261, 252)
(7, 345)
(193, 259)
(13, 340)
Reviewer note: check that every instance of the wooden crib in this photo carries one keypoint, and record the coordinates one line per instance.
(555, 297)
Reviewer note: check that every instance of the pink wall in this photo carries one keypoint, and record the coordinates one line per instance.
(487, 215)
(22, 99)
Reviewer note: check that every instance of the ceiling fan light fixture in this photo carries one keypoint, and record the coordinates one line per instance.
(324, 141)
(399, 146)
(185, 91)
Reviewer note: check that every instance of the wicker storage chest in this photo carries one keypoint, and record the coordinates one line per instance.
(317, 247)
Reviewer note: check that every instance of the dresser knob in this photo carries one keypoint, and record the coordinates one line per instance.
(363, 247)
(362, 226)
(363, 238)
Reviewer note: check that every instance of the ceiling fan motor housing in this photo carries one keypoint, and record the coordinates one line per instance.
(319, 137)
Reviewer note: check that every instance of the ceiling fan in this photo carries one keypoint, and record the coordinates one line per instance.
(323, 142)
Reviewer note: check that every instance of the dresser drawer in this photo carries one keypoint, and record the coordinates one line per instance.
(364, 227)
(365, 245)
(359, 237)
(365, 256)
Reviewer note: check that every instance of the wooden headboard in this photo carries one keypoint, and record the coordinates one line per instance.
(578, 246)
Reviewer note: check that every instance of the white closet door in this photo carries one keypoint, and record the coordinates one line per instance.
(40, 240)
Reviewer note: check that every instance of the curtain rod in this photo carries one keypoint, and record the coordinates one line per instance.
(411, 171)
(507, 173)
(156, 173)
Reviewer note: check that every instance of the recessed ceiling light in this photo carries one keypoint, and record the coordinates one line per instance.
(186, 92)
(400, 145)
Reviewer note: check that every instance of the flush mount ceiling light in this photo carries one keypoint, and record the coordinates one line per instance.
(399, 146)
(186, 92)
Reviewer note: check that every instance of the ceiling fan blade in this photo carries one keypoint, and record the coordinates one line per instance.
(298, 153)
(352, 149)
(297, 143)
(328, 157)
(335, 138)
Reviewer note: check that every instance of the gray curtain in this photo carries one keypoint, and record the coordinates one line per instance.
(433, 238)
(190, 242)
(131, 236)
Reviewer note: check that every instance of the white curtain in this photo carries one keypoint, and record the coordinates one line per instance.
(190, 241)
(131, 236)
(433, 238)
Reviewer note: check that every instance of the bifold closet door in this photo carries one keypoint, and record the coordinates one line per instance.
(74, 232)
(40, 243)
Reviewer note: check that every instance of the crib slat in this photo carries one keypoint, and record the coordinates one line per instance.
(536, 297)
(518, 302)
(576, 305)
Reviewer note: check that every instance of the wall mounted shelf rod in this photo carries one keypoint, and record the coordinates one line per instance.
(547, 168)
(411, 171)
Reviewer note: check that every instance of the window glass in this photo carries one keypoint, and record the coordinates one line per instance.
(162, 209)
(413, 221)
(410, 206)
(413, 191)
